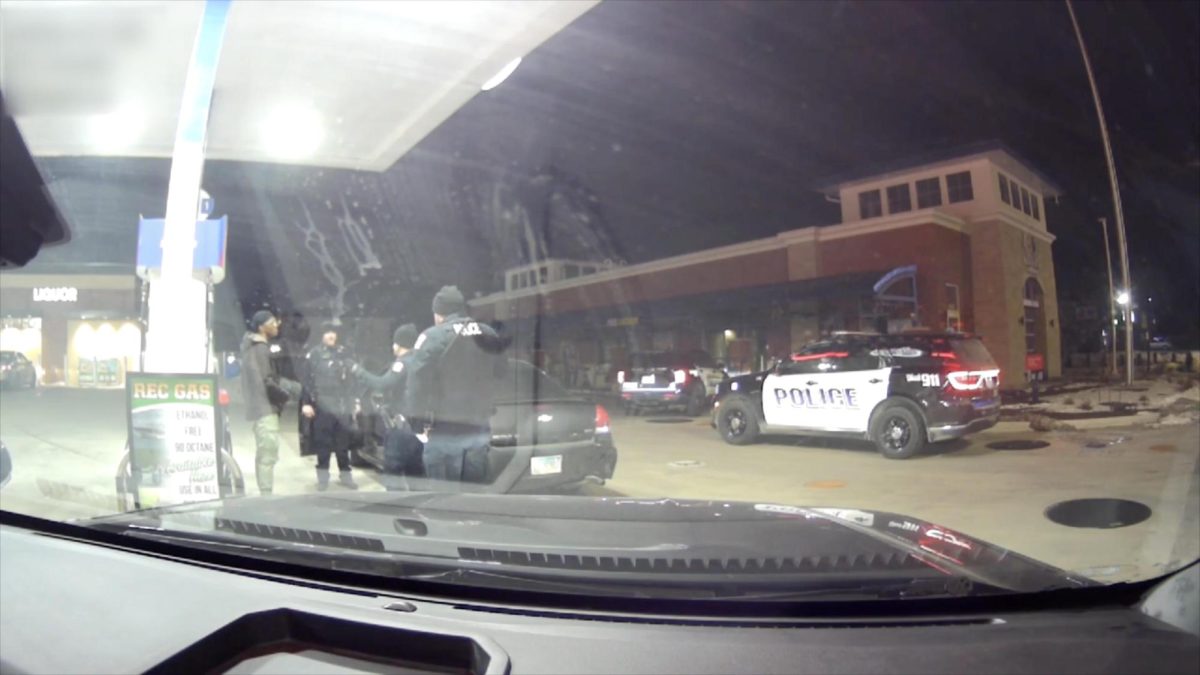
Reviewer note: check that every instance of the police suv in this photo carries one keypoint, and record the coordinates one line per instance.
(899, 391)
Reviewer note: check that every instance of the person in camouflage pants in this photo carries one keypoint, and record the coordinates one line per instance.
(265, 393)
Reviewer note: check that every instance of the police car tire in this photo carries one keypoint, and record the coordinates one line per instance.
(900, 411)
(730, 408)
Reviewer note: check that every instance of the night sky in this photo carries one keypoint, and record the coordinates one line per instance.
(701, 124)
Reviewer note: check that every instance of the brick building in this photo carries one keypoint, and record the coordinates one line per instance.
(955, 242)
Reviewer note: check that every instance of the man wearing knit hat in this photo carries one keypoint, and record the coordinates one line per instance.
(401, 447)
(451, 376)
(329, 401)
(265, 392)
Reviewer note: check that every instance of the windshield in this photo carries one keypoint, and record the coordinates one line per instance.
(587, 288)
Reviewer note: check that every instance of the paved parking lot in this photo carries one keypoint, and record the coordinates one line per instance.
(66, 445)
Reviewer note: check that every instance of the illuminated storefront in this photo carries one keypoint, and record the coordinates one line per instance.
(79, 330)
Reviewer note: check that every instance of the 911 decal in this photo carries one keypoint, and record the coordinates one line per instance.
(926, 379)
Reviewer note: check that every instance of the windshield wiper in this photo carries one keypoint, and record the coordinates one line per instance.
(802, 586)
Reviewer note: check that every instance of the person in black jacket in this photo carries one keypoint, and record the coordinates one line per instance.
(401, 447)
(265, 392)
(329, 401)
(449, 394)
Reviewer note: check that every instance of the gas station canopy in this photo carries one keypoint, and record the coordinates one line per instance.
(341, 83)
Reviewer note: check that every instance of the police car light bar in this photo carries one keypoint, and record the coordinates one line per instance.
(822, 355)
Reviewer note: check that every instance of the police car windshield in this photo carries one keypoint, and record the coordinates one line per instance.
(569, 285)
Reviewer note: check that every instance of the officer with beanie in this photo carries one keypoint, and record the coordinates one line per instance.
(452, 373)
(265, 392)
(329, 401)
(401, 447)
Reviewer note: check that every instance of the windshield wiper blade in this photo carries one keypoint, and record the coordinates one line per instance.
(399, 565)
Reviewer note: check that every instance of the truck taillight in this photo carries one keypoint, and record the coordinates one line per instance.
(602, 420)
(680, 376)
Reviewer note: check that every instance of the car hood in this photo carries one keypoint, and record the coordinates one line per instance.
(635, 539)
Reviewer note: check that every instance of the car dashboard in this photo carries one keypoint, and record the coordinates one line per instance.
(124, 610)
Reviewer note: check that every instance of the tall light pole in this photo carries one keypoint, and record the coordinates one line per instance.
(1112, 299)
(1112, 179)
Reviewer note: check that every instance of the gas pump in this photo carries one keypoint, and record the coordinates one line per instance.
(209, 268)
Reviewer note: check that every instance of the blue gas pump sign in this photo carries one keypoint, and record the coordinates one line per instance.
(208, 258)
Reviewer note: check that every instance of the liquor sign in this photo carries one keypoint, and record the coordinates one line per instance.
(59, 294)
(173, 438)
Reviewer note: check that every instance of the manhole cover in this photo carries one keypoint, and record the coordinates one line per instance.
(825, 484)
(669, 420)
(1098, 513)
(685, 464)
(1017, 445)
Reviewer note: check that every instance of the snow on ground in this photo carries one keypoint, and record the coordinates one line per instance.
(1168, 399)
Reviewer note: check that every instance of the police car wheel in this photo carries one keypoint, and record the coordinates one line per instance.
(898, 431)
(737, 422)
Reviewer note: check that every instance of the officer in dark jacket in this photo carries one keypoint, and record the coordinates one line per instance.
(401, 447)
(452, 374)
(329, 400)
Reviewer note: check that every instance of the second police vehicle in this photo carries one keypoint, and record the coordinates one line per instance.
(898, 391)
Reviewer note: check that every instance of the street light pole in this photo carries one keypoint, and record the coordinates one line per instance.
(1112, 179)
(1112, 300)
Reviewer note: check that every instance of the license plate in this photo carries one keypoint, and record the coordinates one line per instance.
(983, 405)
(647, 379)
(544, 466)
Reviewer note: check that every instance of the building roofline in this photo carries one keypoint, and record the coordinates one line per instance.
(778, 242)
(832, 185)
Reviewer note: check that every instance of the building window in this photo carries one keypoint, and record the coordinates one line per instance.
(869, 205)
(1025, 202)
(899, 200)
(1033, 201)
(958, 187)
(952, 296)
(543, 275)
(512, 281)
(1004, 190)
(570, 271)
(929, 193)
(1034, 335)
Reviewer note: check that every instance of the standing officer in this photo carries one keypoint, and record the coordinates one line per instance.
(329, 401)
(401, 447)
(452, 373)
